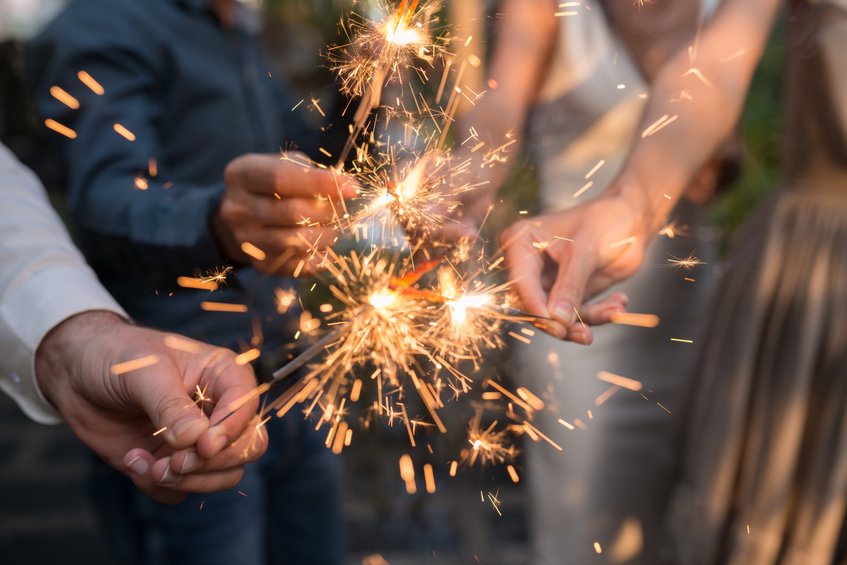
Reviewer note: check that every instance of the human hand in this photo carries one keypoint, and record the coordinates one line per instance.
(472, 183)
(116, 415)
(558, 261)
(282, 206)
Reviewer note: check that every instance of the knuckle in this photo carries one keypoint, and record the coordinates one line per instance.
(293, 211)
(169, 405)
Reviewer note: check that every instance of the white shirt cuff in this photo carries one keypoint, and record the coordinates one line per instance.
(28, 311)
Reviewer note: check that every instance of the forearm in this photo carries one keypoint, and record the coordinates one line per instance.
(695, 103)
(525, 38)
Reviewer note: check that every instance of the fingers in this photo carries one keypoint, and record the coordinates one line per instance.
(293, 211)
(603, 311)
(241, 207)
(291, 175)
(186, 470)
(282, 207)
(204, 482)
(524, 265)
(160, 392)
(300, 241)
(287, 252)
(247, 447)
(215, 462)
(575, 266)
(226, 384)
(138, 465)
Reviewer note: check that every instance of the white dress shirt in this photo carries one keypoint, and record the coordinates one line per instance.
(43, 281)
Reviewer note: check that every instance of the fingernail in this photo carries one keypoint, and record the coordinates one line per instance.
(555, 329)
(581, 338)
(180, 428)
(137, 465)
(169, 477)
(191, 463)
(220, 443)
(564, 312)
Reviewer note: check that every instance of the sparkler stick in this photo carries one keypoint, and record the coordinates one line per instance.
(289, 368)
(309, 353)
(513, 312)
(377, 53)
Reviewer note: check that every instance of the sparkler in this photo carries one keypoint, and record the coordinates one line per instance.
(410, 324)
(413, 335)
(413, 325)
(378, 51)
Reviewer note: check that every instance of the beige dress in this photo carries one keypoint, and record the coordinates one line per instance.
(764, 480)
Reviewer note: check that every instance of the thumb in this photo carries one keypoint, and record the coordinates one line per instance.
(568, 291)
(161, 394)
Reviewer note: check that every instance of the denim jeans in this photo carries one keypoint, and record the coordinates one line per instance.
(284, 511)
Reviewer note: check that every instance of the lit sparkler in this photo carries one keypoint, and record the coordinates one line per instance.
(415, 326)
(377, 52)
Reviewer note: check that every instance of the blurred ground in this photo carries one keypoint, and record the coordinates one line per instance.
(46, 517)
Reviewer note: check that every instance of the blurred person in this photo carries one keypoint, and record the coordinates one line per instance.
(572, 88)
(61, 334)
(174, 168)
(762, 478)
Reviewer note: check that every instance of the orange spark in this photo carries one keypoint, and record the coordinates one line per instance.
(253, 251)
(620, 381)
(659, 125)
(513, 474)
(222, 307)
(124, 132)
(633, 319)
(135, 364)
(429, 478)
(63, 97)
(89, 81)
(247, 356)
(407, 473)
(59, 128)
(182, 344)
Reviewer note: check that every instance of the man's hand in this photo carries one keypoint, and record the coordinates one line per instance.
(282, 206)
(115, 410)
(558, 261)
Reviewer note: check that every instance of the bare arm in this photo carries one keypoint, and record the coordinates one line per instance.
(526, 34)
(696, 99)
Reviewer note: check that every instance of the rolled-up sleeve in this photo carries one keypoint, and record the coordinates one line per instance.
(43, 281)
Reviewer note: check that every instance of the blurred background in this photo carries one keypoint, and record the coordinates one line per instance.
(45, 516)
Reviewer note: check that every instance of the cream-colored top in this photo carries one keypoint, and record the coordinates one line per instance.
(590, 106)
(588, 110)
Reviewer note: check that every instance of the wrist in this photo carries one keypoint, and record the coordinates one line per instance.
(635, 198)
(60, 357)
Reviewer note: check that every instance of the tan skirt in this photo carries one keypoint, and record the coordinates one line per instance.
(764, 475)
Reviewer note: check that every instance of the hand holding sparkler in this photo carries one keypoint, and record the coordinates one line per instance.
(116, 384)
(558, 261)
(277, 211)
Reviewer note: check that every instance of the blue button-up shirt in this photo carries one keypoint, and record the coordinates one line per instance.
(195, 95)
